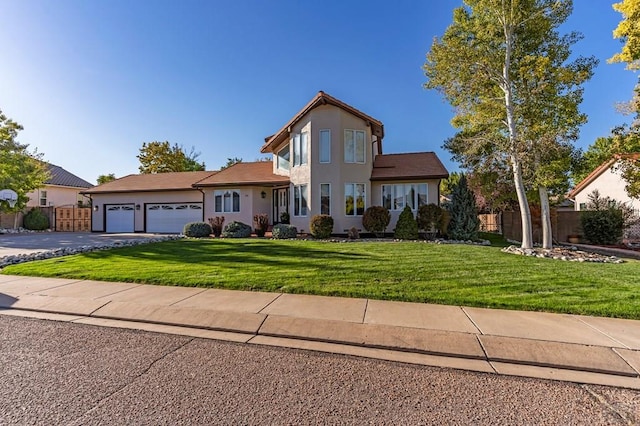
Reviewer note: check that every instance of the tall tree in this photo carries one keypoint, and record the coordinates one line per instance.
(105, 178)
(162, 157)
(21, 170)
(499, 63)
(625, 139)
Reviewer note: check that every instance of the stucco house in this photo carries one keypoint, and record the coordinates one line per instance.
(61, 189)
(608, 181)
(327, 159)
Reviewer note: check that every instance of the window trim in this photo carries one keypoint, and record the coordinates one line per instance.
(364, 196)
(329, 196)
(221, 193)
(328, 146)
(402, 188)
(355, 143)
(298, 200)
(300, 148)
(43, 197)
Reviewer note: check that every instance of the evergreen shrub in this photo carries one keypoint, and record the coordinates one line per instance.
(197, 230)
(407, 227)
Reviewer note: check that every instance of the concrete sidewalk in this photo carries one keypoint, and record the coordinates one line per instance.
(553, 346)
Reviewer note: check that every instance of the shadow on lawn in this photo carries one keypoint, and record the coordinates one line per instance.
(204, 252)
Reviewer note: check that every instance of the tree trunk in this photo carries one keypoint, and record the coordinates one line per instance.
(545, 213)
(525, 212)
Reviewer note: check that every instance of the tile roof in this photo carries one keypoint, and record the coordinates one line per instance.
(244, 174)
(173, 181)
(377, 128)
(413, 165)
(61, 177)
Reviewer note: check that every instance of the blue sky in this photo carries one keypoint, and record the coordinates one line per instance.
(91, 80)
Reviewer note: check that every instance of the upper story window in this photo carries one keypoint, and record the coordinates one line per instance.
(300, 146)
(325, 146)
(283, 157)
(43, 198)
(354, 147)
(226, 200)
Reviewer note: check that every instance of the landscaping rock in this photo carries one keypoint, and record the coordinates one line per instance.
(49, 254)
(567, 254)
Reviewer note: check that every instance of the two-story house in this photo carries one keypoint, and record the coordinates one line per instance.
(327, 159)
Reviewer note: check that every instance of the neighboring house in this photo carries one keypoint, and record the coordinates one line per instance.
(608, 181)
(327, 159)
(61, 189)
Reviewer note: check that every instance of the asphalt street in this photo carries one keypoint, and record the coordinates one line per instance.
(75, 374)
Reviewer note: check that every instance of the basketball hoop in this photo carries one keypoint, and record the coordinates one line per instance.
(10, 196)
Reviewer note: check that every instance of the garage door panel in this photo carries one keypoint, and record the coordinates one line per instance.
(120, 218)
(171, 218)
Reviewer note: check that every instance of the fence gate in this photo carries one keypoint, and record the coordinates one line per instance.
(73, 219)
(491, 222)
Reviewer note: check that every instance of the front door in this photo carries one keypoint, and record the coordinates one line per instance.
(280, 203)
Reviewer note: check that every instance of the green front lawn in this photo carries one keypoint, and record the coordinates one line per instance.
(408, 271)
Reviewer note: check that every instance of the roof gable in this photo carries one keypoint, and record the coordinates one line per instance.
(408, 166)
(599, 171)
(377, 128)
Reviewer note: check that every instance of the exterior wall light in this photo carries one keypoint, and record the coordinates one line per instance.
(263, 194)
(95, 208)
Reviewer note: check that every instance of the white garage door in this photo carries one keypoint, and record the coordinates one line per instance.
(171, 218)
(120, 218)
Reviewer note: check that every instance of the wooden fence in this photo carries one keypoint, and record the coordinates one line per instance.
(563, 224)
(73, 219)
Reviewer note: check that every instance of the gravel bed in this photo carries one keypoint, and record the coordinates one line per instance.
(568, 254)
(68, 251)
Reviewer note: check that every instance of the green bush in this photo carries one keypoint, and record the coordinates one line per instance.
(430, 218)
(35, 220)
(407, 227)
(602, 226)
(284, 218)
(236, 229)
(463, 213)
(376, 219)
(321, 226)
(197, 230)
(283, 231)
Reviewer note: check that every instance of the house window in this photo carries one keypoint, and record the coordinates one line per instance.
(300, 197)
(283, 158)
(43, 198)
(395, 197)
(325, 146)
(325, 198)
(226, 201)
(354, 199)
(354, 146)
(387, 195)
(300, 145)
(583, 206)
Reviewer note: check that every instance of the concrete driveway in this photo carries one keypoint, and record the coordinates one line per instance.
(13, 244)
